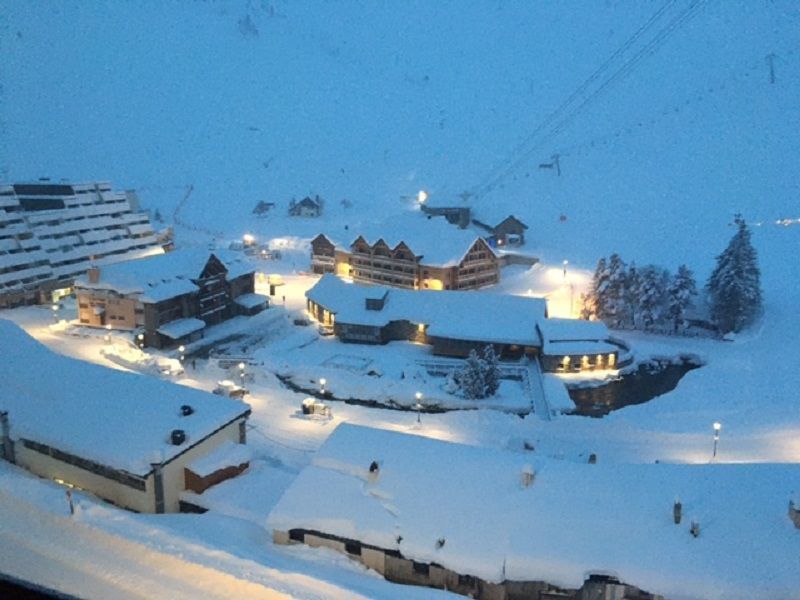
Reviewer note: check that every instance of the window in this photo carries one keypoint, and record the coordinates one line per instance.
(353, 548)
(296, 535)
(421, 568)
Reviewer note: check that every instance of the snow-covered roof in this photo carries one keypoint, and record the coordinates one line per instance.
(464, 315)
(165, 276)
(575, 336)
(55, 231)
(227, 454)
(573, 519)
(438, 242)
(119, 419)
(251, 300)
(181, 327)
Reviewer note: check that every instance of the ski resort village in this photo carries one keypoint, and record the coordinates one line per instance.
(314, 300)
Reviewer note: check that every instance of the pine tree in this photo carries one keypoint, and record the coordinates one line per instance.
(630, 296)
(734, 287)
(471, 378)
(588, 304)
(491, 374)
(599, 289)
(615, 291)
(650, 297)
(680, 292)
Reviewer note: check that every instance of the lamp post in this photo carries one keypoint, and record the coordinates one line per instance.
(717, 427)
(418, 396)
(322, 383)
(181, 351)
(108, 334)
(566, 262)
(140, 339)
(55, 308)
(241, 373)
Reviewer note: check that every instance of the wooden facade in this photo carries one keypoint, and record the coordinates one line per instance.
(399, 266)
(213, 302)
(510, 232)
(398, 568)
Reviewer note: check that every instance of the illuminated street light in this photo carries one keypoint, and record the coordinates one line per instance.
(566, 262)
(181, 351)
(717, 427)
(418, 396)
(422, 196)
(241, 372)
(140, 339)
(322, 383)
(55, 308)
(108, 333)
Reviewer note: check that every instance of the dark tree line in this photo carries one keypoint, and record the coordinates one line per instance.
(652, 299)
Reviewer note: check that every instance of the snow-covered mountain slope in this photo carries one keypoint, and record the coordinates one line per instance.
(254, 101)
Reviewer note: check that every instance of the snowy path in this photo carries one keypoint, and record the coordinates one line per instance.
(536, 390)
(66, 554)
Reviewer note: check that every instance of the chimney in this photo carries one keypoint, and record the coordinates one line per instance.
(93, 274)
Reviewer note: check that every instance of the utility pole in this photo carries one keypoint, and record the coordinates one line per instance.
(555, 158)
(771, 62)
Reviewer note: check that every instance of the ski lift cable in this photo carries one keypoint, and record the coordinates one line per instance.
(645, 51)
(696, 96)
(592, 78)
(649, 48)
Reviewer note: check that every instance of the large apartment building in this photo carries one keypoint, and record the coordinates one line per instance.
(432, 255)
(51, 233)
(168, 299)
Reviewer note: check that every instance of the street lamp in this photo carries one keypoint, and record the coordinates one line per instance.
(418, 396)
(566, 262)
(241, 372)
(55, 308)
(322, 383)
(140, 338)
(717, 427)
(108, 333)
(181, 350)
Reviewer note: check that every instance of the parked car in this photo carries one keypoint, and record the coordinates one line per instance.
(230, 389)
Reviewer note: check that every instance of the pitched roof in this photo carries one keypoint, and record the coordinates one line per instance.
(119, 419)
(573, 518)
(434, 239)
(465, 315)
(164, 276)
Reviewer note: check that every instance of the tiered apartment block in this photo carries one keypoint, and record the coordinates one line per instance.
(51, 233)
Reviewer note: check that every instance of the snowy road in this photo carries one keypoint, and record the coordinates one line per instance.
(63, 553)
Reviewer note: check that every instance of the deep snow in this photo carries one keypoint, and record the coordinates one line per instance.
(373, 103)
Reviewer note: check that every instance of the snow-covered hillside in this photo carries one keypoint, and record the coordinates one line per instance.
(254, 101)
(207, 108)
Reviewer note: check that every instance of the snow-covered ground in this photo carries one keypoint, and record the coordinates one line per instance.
(249, 101)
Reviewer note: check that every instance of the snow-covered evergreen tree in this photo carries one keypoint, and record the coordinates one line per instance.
(734, 287)
(588, 306)
(491, 373)
(630, 296)
(614, 307)
(650, 297)
(599, 289)
(471, 378)
(682, 288)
